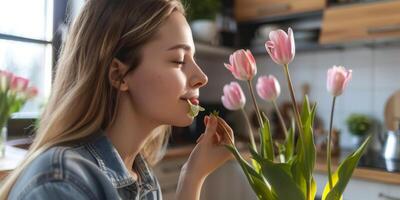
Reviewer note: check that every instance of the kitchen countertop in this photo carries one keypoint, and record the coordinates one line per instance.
(365, 173)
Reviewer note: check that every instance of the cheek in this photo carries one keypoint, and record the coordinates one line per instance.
(157, 96)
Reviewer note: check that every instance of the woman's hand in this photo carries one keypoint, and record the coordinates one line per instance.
(208, 155)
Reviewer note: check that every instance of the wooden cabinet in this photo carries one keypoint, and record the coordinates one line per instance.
(369, 21)
(247, 10)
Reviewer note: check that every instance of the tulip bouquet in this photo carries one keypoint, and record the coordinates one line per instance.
(287, 175)
(14, 92)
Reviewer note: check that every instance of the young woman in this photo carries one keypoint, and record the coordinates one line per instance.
(126, 73)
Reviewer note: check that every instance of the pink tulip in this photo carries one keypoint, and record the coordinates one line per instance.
(281, 46)
(242, 65)
(233, 98)
(19, 84)
(5, 78)
(268, 88)
(338, 78)
(31, 92)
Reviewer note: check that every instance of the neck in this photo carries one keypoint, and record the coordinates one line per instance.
(129, 131)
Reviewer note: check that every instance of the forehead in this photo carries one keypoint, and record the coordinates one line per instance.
(175, 30)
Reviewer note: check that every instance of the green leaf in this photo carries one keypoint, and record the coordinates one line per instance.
(289, 143)
(255, 164)
(313, 191)
(280, 179)
(267, 150)
(309, 151)
(305, 111)
(215, 113)
(303, 165)
(343, 174)
(298, 174)
(256, 181)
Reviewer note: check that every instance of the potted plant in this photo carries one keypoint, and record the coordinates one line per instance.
(284, 170)
(201, 15)
(359, 126)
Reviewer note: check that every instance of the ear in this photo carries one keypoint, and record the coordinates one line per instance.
(116, 72)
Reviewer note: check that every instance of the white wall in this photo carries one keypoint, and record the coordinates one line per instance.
(376, 75)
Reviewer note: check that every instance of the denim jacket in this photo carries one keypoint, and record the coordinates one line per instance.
(90, 170)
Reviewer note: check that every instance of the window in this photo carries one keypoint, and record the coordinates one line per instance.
(26, 34)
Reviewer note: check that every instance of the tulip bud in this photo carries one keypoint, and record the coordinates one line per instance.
(281, 46)
(18, 84)
(5, 78)
(31, 92)
(338, 78)
(242, 65)
(268, 88)
(233, 98)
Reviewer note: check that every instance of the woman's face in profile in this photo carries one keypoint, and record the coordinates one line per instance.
(167, 74)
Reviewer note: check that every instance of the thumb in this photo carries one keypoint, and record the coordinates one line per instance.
(211, 127)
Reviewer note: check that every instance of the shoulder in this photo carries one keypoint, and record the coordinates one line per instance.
(60, 171)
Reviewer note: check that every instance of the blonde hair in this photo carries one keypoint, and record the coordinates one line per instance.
(103, 30)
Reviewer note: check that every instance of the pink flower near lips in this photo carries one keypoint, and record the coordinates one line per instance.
(242, 65)
(268, 88)
(233, 98)
(338, 78)
(281, 46)
(19, 84)
(31, 92)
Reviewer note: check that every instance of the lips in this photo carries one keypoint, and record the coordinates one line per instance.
(193, 100)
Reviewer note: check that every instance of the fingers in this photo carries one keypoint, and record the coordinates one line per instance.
(223, 127)
(211, 126)
(217, 131)
(206, 119)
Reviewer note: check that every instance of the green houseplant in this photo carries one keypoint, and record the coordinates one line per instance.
(201, 15)
(359, 126)
(202, 9)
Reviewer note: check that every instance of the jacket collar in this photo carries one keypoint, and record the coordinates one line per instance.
(111, 163)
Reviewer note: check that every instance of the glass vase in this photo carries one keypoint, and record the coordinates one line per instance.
(3, 140)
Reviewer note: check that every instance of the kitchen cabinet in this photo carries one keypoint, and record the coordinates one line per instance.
(361, 22)
(247, 10)
(334, 25)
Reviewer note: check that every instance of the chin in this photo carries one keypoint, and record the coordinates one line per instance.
(183, 122)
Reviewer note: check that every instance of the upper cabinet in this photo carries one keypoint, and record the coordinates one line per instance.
(249, 10)
(361, 22)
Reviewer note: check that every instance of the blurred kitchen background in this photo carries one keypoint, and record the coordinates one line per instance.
(363, 35)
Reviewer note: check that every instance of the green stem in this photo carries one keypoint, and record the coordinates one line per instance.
(328, 145)
(281, 119)
(251, 136)
(255, 104)
(294, 103)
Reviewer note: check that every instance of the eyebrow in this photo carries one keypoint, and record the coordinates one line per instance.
(180, 46)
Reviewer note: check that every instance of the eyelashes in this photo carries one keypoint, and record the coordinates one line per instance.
(183, 62)
(179, 62)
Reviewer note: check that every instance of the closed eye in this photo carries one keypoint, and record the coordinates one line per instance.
(179, 62)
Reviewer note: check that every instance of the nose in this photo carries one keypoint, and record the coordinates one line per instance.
(198, 78)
